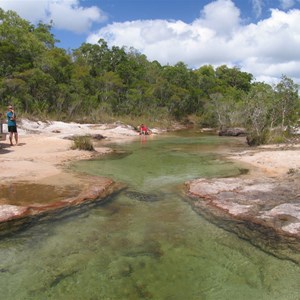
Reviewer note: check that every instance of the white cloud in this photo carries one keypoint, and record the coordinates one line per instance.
(285, 4)
(173, 41)
(266, 49)
(31, 10)
(221, 16)
(66, 14)
(257, 7)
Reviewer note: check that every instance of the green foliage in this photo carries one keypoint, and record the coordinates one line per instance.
(82, 143)
(258, 112)
(269, 112)
(277, 138)
(287, 102)
(267, 136)
(233, 77)
(96, 83)
(255, 139)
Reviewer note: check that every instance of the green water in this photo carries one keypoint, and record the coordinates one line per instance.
(146, 242)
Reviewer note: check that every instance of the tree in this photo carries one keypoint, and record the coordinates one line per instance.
(207, 80)
(97, 56)
(56, 63)
(287, 102)
(227, 109)
(233, 77)
(41, 88)
(39, 77)
(109, 91)
(178, 75)
(21, 43)
(258, 113)
(44, 35)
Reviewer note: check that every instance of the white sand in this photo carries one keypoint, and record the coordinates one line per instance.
(272, 160)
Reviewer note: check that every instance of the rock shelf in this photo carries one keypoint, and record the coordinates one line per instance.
(264, 211)
(14, 218)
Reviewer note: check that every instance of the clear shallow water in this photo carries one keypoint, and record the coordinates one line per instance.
(132, 249)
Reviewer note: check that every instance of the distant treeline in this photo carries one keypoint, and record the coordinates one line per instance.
(95, 81)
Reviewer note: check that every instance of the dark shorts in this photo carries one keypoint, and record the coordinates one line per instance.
(12, 129)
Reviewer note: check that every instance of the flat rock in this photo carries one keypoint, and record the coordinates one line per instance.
(8, 212)
(265, 211)
(17, 217)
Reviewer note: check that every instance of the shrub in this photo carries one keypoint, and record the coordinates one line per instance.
(82, 143)
(254, 139)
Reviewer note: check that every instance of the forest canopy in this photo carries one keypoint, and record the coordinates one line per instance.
(96, 81)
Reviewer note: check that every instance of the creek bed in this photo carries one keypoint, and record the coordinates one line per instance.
(145, 242)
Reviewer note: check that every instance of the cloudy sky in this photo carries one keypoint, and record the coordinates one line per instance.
(259, 36)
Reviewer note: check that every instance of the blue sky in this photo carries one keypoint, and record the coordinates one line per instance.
(259, 36)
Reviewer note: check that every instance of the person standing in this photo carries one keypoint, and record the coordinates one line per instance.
(1, 128)
(12, 125)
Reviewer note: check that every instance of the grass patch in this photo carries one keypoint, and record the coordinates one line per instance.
(82, 143)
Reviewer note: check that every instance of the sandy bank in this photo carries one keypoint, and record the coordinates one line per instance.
(271, 160)
(43, 149)
(34, 180)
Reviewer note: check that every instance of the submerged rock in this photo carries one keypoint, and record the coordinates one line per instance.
(142, 196)
(150, 248)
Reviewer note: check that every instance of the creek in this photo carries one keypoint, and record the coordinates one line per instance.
(145, 242)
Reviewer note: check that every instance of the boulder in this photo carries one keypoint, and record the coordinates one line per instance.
(232, 132)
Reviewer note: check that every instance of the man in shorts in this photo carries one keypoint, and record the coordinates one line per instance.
(12, 125)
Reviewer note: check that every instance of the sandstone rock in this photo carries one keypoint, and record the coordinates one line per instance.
(8, 212)
(14, 218)
(264, 211)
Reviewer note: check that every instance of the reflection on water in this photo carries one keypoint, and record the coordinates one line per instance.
(135, 248)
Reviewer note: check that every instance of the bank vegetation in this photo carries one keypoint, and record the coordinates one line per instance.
(96, 83)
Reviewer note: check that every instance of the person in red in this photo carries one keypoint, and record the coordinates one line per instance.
(143, 129)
